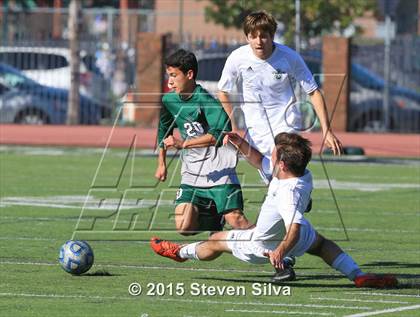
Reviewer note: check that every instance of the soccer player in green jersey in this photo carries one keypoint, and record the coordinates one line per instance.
(210, 189)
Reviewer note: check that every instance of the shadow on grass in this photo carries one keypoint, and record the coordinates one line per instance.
(392, 264)
(266, 279)
(301, 277)
(405, 281)
(100, 273)
(408, 281)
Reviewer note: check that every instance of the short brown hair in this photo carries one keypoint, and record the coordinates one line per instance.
(294, 150)
(260, 21)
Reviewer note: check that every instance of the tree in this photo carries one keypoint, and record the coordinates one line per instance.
(317, 16)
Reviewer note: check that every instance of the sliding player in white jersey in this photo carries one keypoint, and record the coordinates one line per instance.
(281, 228)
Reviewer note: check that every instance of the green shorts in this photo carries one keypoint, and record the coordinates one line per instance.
(226, 197)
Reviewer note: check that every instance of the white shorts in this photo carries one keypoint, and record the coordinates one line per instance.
(244, 248)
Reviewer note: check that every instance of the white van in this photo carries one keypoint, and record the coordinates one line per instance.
(51, 67)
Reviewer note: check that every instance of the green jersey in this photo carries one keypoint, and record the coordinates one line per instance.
(194, 117)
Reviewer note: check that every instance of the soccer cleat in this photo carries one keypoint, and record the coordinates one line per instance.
(375, 281)
(289, 260)
(166, 248)
(284, 275)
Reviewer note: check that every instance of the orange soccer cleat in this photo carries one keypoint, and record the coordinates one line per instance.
(166, 248)
(376, 281)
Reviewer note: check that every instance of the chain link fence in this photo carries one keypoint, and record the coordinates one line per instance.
(367, 110)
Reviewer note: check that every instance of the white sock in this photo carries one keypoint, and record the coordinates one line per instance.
(346, 265)
(189, 251)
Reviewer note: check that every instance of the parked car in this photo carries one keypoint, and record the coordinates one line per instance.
(22, 100)
(51, 67)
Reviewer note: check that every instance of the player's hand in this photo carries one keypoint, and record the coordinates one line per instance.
(161, 173)
(233, 138)
(332, 142)
(172, 141)
(276, 258)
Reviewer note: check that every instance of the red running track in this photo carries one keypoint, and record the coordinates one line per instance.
(384, 145)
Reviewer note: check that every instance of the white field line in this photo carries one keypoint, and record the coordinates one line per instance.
(144, 267)
(385, 311)
(365, 230)
(103, 219)
(14, 238)
(188, 301)
(42, 150)
(169, 222)
(392, 178)
(264, 304)
(141, 267)
(35, 204)
(85, 202)
(359, 300)
(110, 219)
(401, 213)
(49, 239)
(60, 296)
(38, 218)
(383, 294)
(283, 312)
(48, 151)
(335, 229)
(62, 206)
(27, 239)
(343, 185)
(121, 221)
(54, 199)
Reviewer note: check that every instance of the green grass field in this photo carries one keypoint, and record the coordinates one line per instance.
(43, 192)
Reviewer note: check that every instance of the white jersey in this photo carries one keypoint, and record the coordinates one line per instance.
(286, 201)
(269, 102)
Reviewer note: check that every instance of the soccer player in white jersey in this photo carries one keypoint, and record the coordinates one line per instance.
(281, 228)
(263, 72)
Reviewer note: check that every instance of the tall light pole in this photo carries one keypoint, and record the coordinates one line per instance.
(181, 22)
(387, 61)
(5, 25)
(297, 26)
(74, 25)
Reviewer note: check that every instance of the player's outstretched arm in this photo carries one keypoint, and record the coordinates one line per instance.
(331, 140)
(251, 155)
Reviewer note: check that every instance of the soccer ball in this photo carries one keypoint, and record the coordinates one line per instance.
(76, 257)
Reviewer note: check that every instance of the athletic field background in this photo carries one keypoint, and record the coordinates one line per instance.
(43, 191)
